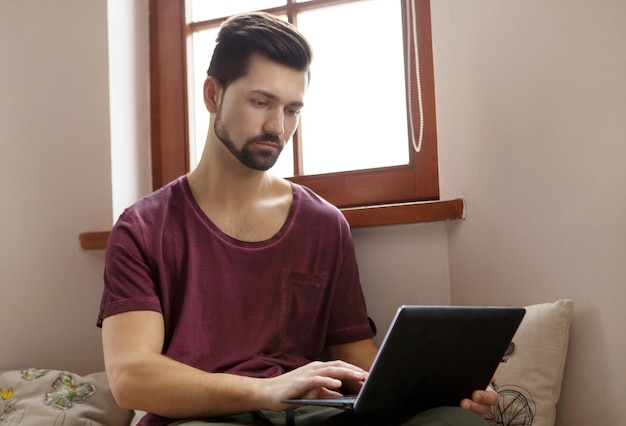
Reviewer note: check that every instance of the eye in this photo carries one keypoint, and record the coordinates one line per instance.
(293, 112)
(258, 102)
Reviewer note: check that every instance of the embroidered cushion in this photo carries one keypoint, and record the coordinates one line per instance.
(529, 383)
(59, 398)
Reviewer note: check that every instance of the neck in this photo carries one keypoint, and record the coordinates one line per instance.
(220, 179)
(246, 204)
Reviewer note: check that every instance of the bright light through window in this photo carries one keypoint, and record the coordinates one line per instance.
(355, 113)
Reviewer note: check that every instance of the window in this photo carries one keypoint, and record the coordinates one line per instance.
(410, 174)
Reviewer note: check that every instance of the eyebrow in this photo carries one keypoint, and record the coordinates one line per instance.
(274, 97)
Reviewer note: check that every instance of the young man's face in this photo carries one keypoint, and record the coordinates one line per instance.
(259, 112)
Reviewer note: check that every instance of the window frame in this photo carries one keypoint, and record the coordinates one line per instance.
(169, 37)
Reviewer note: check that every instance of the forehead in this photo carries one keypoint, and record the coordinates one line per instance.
(265, 75)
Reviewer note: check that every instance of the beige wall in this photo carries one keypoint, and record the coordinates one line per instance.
(129, 105)
(403, 264)
(55, 171)
(530, 101)
(71, 92)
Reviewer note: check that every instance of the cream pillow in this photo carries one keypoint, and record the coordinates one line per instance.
(529, 382)
(58, 398)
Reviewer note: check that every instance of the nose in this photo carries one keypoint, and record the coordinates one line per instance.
(275, 121)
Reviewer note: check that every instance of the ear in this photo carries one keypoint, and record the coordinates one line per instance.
(212, 94)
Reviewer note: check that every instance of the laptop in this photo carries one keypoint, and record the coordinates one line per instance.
(432, 356)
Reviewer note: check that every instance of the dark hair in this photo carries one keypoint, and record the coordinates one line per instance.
(242, 35)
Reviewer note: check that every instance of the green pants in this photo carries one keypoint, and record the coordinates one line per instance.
(316, 416)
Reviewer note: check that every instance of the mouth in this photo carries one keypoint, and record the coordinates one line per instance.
(269, 142)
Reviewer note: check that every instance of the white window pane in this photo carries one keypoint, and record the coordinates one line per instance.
(284, 165)
(204, 10)
(355, 113)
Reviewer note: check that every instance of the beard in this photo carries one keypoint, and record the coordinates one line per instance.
(248, 156)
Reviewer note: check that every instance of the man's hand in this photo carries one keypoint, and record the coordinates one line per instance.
(481, 401)
(314, 380)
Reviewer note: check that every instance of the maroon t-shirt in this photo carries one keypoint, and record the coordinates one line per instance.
(249, 308)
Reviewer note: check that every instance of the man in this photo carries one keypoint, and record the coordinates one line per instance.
(224, 288)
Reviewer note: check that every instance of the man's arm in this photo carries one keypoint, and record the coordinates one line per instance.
(142, 378)
(360, 353)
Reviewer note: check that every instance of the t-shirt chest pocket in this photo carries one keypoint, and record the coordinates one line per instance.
(300, 302)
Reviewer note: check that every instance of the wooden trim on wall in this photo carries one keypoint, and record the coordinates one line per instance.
(168, 94)
(358, 217)
(94, 240)
(432, 211)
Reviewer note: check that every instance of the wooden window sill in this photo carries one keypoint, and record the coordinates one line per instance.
(357, 217)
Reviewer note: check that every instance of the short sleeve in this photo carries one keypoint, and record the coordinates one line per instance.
(129, 279)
